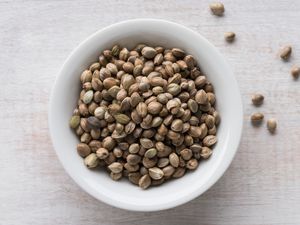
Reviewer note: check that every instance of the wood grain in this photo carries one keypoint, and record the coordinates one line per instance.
(262, 186)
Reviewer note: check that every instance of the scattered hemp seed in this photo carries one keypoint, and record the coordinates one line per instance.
(217, 8)
(285, 52)
(257, 118)
(271, 125)
(257, 99)
(295, 72)
(229, 36)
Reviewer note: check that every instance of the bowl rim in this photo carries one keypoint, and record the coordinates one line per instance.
(189, 196)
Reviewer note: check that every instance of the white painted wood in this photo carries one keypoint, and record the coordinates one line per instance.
(262, 186)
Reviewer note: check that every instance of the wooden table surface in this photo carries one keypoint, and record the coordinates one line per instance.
(262, 185)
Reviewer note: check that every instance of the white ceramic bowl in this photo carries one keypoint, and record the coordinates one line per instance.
(123, 194)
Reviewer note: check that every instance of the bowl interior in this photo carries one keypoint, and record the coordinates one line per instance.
(123, 194)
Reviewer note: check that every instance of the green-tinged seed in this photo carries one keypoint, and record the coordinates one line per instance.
(150, 153)
(122, 118)
(74, 121)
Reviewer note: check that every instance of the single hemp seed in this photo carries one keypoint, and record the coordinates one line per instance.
(271, 125)
(295, 72)
(217, 8)
(257, 118)
(229, 36)
(257, 99)
(285, 52)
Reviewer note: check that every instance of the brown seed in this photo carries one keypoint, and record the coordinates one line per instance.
(115, 50)
(148, 52)
(201, 97)
(177, 52)
(116, 167)
(156, 173)
(186, 154)
(128, 67)
(135, 99)
(102, 153)
(123, 146)
(195, 131)
(157, 90)
(109, 82)
(116, 176)
(148, 133)
(157, 121)
(193, 106)
(110, 159)
(145, 181)
(85, 138)
(154, 107)
(127, 81)
(86, 76)
(174, 89)
(112, 68)
(109, 143)
(125, 104)
(185, 127)
(144, 84)
(134, 148)
(205, 152)
(217, 8)
(93, 122)
(209, 140)
(194, 121)
(174, 159)
(83, 149)
(229, 36)
(177, 125)
(157, 182)
(210, 121)
(285, 52)
(192, 164)
(173, 135)
(134, 177)
(272, 124)
(179, 172)
(295, 72)
(124, 54)
(91, 161)
(257, 99)
(146, 143)
(95, 145)
(168, 171)
(190, 61)
(129, 128)
(133, 159)
(142, 109)
(104, 73)
(170, 57)
(118, 152)
(158, 81)
(148, 163)
(257, 117)
(131, 168)
(163, 162)
(113, 91)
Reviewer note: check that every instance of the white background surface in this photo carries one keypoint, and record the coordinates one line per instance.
(262, 186)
